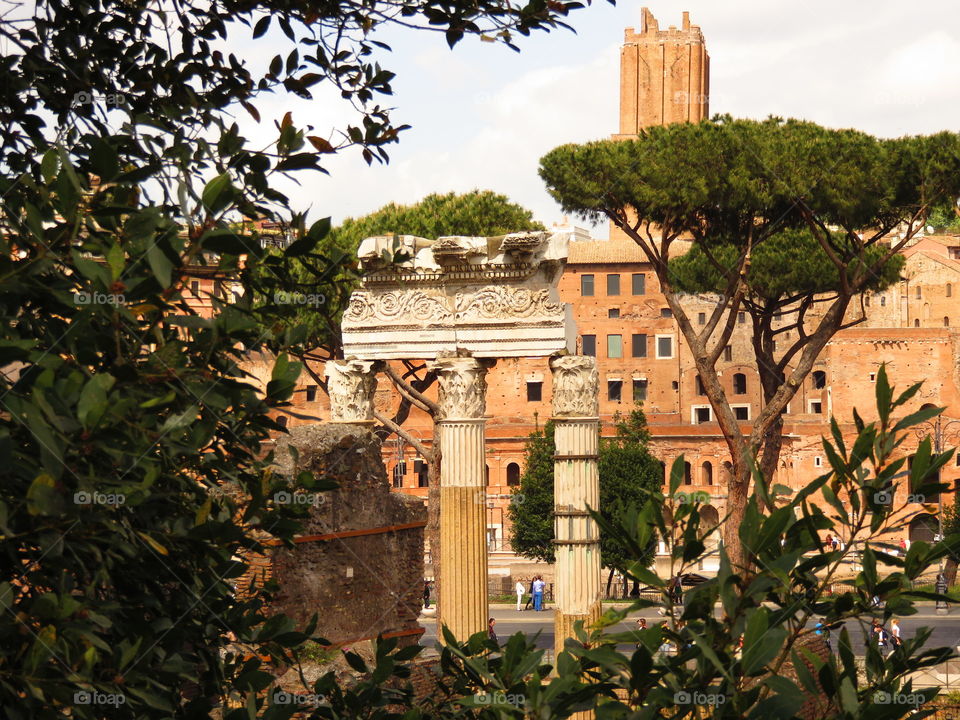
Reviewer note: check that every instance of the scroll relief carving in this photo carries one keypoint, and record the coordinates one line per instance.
(397, 307)
(463, 388)
(575, 386)
(351, 385)
(496, 302)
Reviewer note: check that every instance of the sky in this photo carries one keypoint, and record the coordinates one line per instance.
(482, 115)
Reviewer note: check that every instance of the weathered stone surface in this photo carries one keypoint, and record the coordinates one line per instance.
(362, 585)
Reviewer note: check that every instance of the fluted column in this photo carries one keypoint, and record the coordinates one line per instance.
(463, 604)
(576, 485)
(351, 385)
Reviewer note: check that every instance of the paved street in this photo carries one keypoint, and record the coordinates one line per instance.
(509, 621)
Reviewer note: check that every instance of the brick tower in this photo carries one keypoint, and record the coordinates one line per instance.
(664, 75)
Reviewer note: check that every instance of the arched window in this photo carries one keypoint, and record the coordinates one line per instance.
(709, 517)
(946, 321)
(687, 474)
(486, 474)
(883, 301)
(399, 470)
(706, 473)
(420, 469)
(513, 474)
(949, 289)
(919, 294)
(739, 384)
(819, 379)
(916, 322)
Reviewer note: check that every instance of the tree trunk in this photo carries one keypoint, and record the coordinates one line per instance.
(737, 492)
(609, 581)
(950, 571)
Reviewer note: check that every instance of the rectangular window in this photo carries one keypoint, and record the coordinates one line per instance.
(701, 414)
(741, 317)
(614, 346)
(728, 353)
(195, 287)
(613, 313)
(586, 285)
(534, 391)
(816, 407)
(614, 390)
(638, 343)
(741, 412)
(638, 284)
(919, 294)
(664, 347)
(639, 391)
(701, 318)
(590, 345)
(954, 253)
(666, 313)
(700, 389)
(311, 393)
(613, 284)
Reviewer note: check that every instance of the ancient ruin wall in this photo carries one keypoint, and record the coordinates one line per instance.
(369, 579)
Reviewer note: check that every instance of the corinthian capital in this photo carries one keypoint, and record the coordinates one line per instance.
(351, 385)
(575, 386)
(463, 387)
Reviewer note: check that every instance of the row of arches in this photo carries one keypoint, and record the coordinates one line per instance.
(705, 473)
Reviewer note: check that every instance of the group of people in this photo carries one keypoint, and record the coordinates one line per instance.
(537, 586)
(832, 542)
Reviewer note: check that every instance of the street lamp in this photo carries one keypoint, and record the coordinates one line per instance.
(949, 432)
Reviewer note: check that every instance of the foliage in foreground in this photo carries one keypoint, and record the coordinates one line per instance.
(689, 665)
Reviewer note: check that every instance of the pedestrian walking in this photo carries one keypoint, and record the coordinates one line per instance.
(895, 634)
(903, 547)
(829, 541)
(520, 590)
(490, 633)
(538, 585)
(823, 630)
(426, 593)
(530, 598)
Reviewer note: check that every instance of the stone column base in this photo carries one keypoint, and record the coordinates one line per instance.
(563, 625)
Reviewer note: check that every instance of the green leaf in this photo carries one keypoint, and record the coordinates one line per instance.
(93, 399)
(160, 264)
(217, 194)
(42, 496)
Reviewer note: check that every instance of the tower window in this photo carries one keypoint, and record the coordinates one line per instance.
(613, 284)
(614, 390)
(739, 384)
(586, 285)
(534, 391)
(590, 345)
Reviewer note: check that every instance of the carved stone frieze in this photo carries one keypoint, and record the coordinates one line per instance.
(575, 386)
(351, 385)
(501, 302)
(397, 307)
(463, 387)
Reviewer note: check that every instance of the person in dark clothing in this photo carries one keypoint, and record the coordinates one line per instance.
(490, 633)
(426, 593)
(530, 597)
